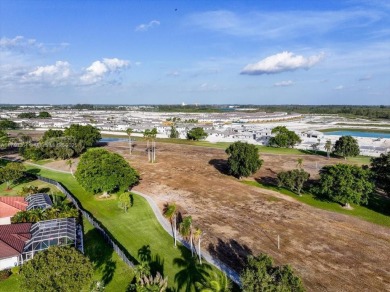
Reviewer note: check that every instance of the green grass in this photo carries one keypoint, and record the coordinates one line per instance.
(362, 212)
(365, 125)
(14, 191)
(11, 284)
(108, 267)
(137, 231)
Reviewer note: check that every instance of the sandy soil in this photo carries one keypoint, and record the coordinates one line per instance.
(331, 252)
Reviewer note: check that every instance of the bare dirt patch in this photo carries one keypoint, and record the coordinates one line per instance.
(330, 251)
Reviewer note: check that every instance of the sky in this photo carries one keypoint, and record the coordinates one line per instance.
(195, 52)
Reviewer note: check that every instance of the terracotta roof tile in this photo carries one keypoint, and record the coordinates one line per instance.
(13, 238)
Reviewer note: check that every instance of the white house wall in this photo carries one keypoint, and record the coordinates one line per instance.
(8, 263)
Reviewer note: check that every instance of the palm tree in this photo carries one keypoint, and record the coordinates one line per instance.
(299, 162)
(141, 270)
(169, 212)
(217, 282)
(69, 163)
(129, 131)
(186, 230)
(328, 148)
(197, 236)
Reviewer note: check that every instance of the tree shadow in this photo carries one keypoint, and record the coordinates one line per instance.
(33, 171)
(191, 270)
(156, 263)
(99, 254)
(231, 252)
(44, 190)
(221, 165)
(267, 181)
(379, 203)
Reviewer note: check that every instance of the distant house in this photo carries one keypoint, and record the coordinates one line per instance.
(9, 206)
(20, 242)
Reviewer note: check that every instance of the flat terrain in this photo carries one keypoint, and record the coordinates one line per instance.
(330, 251)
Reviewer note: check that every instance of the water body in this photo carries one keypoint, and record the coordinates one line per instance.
(105, 140)
(359, 134)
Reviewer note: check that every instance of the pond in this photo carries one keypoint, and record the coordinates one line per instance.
(359, 134)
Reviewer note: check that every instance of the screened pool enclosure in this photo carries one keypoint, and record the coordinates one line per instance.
(44, 234)
(38, 201)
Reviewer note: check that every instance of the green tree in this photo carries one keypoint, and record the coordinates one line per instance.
(299, 163)
(185, 229)
(196, 134)
(88, 134)
(102, 171)
(243, 159)
(293, 179)
(11, 172)
(148, 283)
(328, 147)
(174, 133)
(8, 125)
(380, 166)
(124, 201)
(216, 282)
(284, 137)
(24, 138)
(52, 134)
(29, 115)
(57, 269)
(260, 275)
(345, 183)
(44, 115)
(346, 146)
(4, 139)
(169, 212)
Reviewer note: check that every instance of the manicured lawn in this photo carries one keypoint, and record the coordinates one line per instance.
(14, 191)
(11, 284)
(138, 231)
(362, 212)
(108, 267)
(384, 131)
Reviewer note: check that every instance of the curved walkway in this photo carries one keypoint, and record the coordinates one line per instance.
(233, 275)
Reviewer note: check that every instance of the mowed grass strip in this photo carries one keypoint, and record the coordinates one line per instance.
(137, 230)
(362, 212)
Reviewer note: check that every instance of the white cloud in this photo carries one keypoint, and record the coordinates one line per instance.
(285, 24)
(284, 83)
(147, 26)
(339, 87)
(21, 44)
(56, 74)
(99, 69)
(282, 62)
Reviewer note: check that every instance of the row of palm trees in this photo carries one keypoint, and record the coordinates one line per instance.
(186, 229)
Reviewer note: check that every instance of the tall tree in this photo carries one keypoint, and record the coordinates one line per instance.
(174, 133)
(328, 147)
(243, 159)
(346, 183)
(186, 231)
(52, 134)
(346, 146)
(169, 212)
(57, 269)
(69, 163)
(260, 275)
(129, 131)
(124, 200)
(380, 166)
(102, 171)
(4, 139)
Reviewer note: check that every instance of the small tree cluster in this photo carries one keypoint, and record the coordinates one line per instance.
(196, 134)
(174, 133)
(125, 201)
(293, 179)
(345, 184)
(284, 137)
(57, 269)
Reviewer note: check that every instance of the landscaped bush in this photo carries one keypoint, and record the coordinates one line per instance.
(5, 274)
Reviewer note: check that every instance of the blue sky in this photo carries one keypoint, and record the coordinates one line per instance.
(206, 52)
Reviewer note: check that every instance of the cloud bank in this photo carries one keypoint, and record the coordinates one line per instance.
(282, 62)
